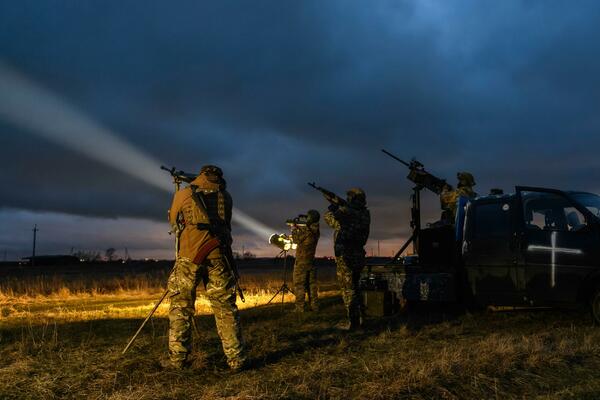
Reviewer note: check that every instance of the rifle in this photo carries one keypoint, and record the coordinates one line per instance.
(227, 256)
(179, 176)
(421, 177)
(331, 197)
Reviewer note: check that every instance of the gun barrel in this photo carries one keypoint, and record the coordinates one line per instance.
(395, 158)
(179, 175)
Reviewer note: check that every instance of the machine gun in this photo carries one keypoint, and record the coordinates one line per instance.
(331, 197)
(420, 176)
(422, 179)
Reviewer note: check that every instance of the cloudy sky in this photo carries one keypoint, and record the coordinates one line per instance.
(279, 93)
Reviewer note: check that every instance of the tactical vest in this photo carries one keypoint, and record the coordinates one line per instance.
(212, 212)
(354, 228)
(201, 223)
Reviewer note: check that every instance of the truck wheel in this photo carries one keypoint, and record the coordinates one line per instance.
(595, 303)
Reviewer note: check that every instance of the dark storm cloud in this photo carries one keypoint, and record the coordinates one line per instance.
(279, 93)
(42, 176)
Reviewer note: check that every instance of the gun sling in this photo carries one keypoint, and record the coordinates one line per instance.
(205, 250)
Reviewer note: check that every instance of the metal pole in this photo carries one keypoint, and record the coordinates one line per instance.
(35, 230)
(145, 321)
(415, 222)
(284, 287)
(404, 246)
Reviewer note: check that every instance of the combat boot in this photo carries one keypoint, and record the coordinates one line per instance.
(175, 365)
(238, 365)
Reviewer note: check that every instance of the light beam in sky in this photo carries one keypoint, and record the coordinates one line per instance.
(28, 105)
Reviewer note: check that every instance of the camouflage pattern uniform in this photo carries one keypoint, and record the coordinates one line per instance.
(215, 271)
(449, 197)
(351, 224)
(305, 280)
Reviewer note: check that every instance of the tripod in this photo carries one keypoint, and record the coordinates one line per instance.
(284, 287)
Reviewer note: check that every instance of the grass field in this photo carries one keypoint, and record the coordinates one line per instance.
(68, 346)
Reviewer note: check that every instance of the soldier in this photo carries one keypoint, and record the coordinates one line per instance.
(305, 280)
(204, 211)
(449, 197)
(351, 224)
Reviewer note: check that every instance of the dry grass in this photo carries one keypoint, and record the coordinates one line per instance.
(69, 347)
(115, 279)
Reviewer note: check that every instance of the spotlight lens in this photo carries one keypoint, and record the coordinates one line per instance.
(282, 241)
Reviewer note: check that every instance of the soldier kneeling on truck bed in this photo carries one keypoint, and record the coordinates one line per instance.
(449, 196)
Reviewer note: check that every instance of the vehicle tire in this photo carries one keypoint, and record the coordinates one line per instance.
(595, 305)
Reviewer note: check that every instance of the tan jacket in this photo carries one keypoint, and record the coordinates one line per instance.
(196, 220)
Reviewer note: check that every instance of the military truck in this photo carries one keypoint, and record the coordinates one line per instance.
(536, 247)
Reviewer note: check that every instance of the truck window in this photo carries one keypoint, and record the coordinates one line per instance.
(551, 212)
(492, 220)
(575, 219)
(589, 201)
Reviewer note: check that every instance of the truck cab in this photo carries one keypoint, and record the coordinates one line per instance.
(536, 247)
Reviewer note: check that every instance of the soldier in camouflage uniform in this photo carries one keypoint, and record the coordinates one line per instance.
(305, 280)
(449, 197)
(204, 210)
(351, 224)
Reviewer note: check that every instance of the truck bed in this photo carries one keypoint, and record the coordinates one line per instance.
(411, 283)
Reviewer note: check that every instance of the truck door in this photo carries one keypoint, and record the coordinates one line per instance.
(492, 263)
(558, 243)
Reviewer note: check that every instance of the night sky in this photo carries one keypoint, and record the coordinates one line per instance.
(280, 93)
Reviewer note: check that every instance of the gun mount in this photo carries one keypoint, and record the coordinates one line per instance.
(422, 180)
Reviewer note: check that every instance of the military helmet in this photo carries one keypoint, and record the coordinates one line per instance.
(312, 216)
(357, 197)
(212, 173)
(465, 179)
(211, 170)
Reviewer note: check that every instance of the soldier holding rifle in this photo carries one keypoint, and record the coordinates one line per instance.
(351, 220)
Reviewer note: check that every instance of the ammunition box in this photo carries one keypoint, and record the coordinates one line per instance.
(437, 246)
(378, 303)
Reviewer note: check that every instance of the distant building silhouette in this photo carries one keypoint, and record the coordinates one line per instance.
(52, 260)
